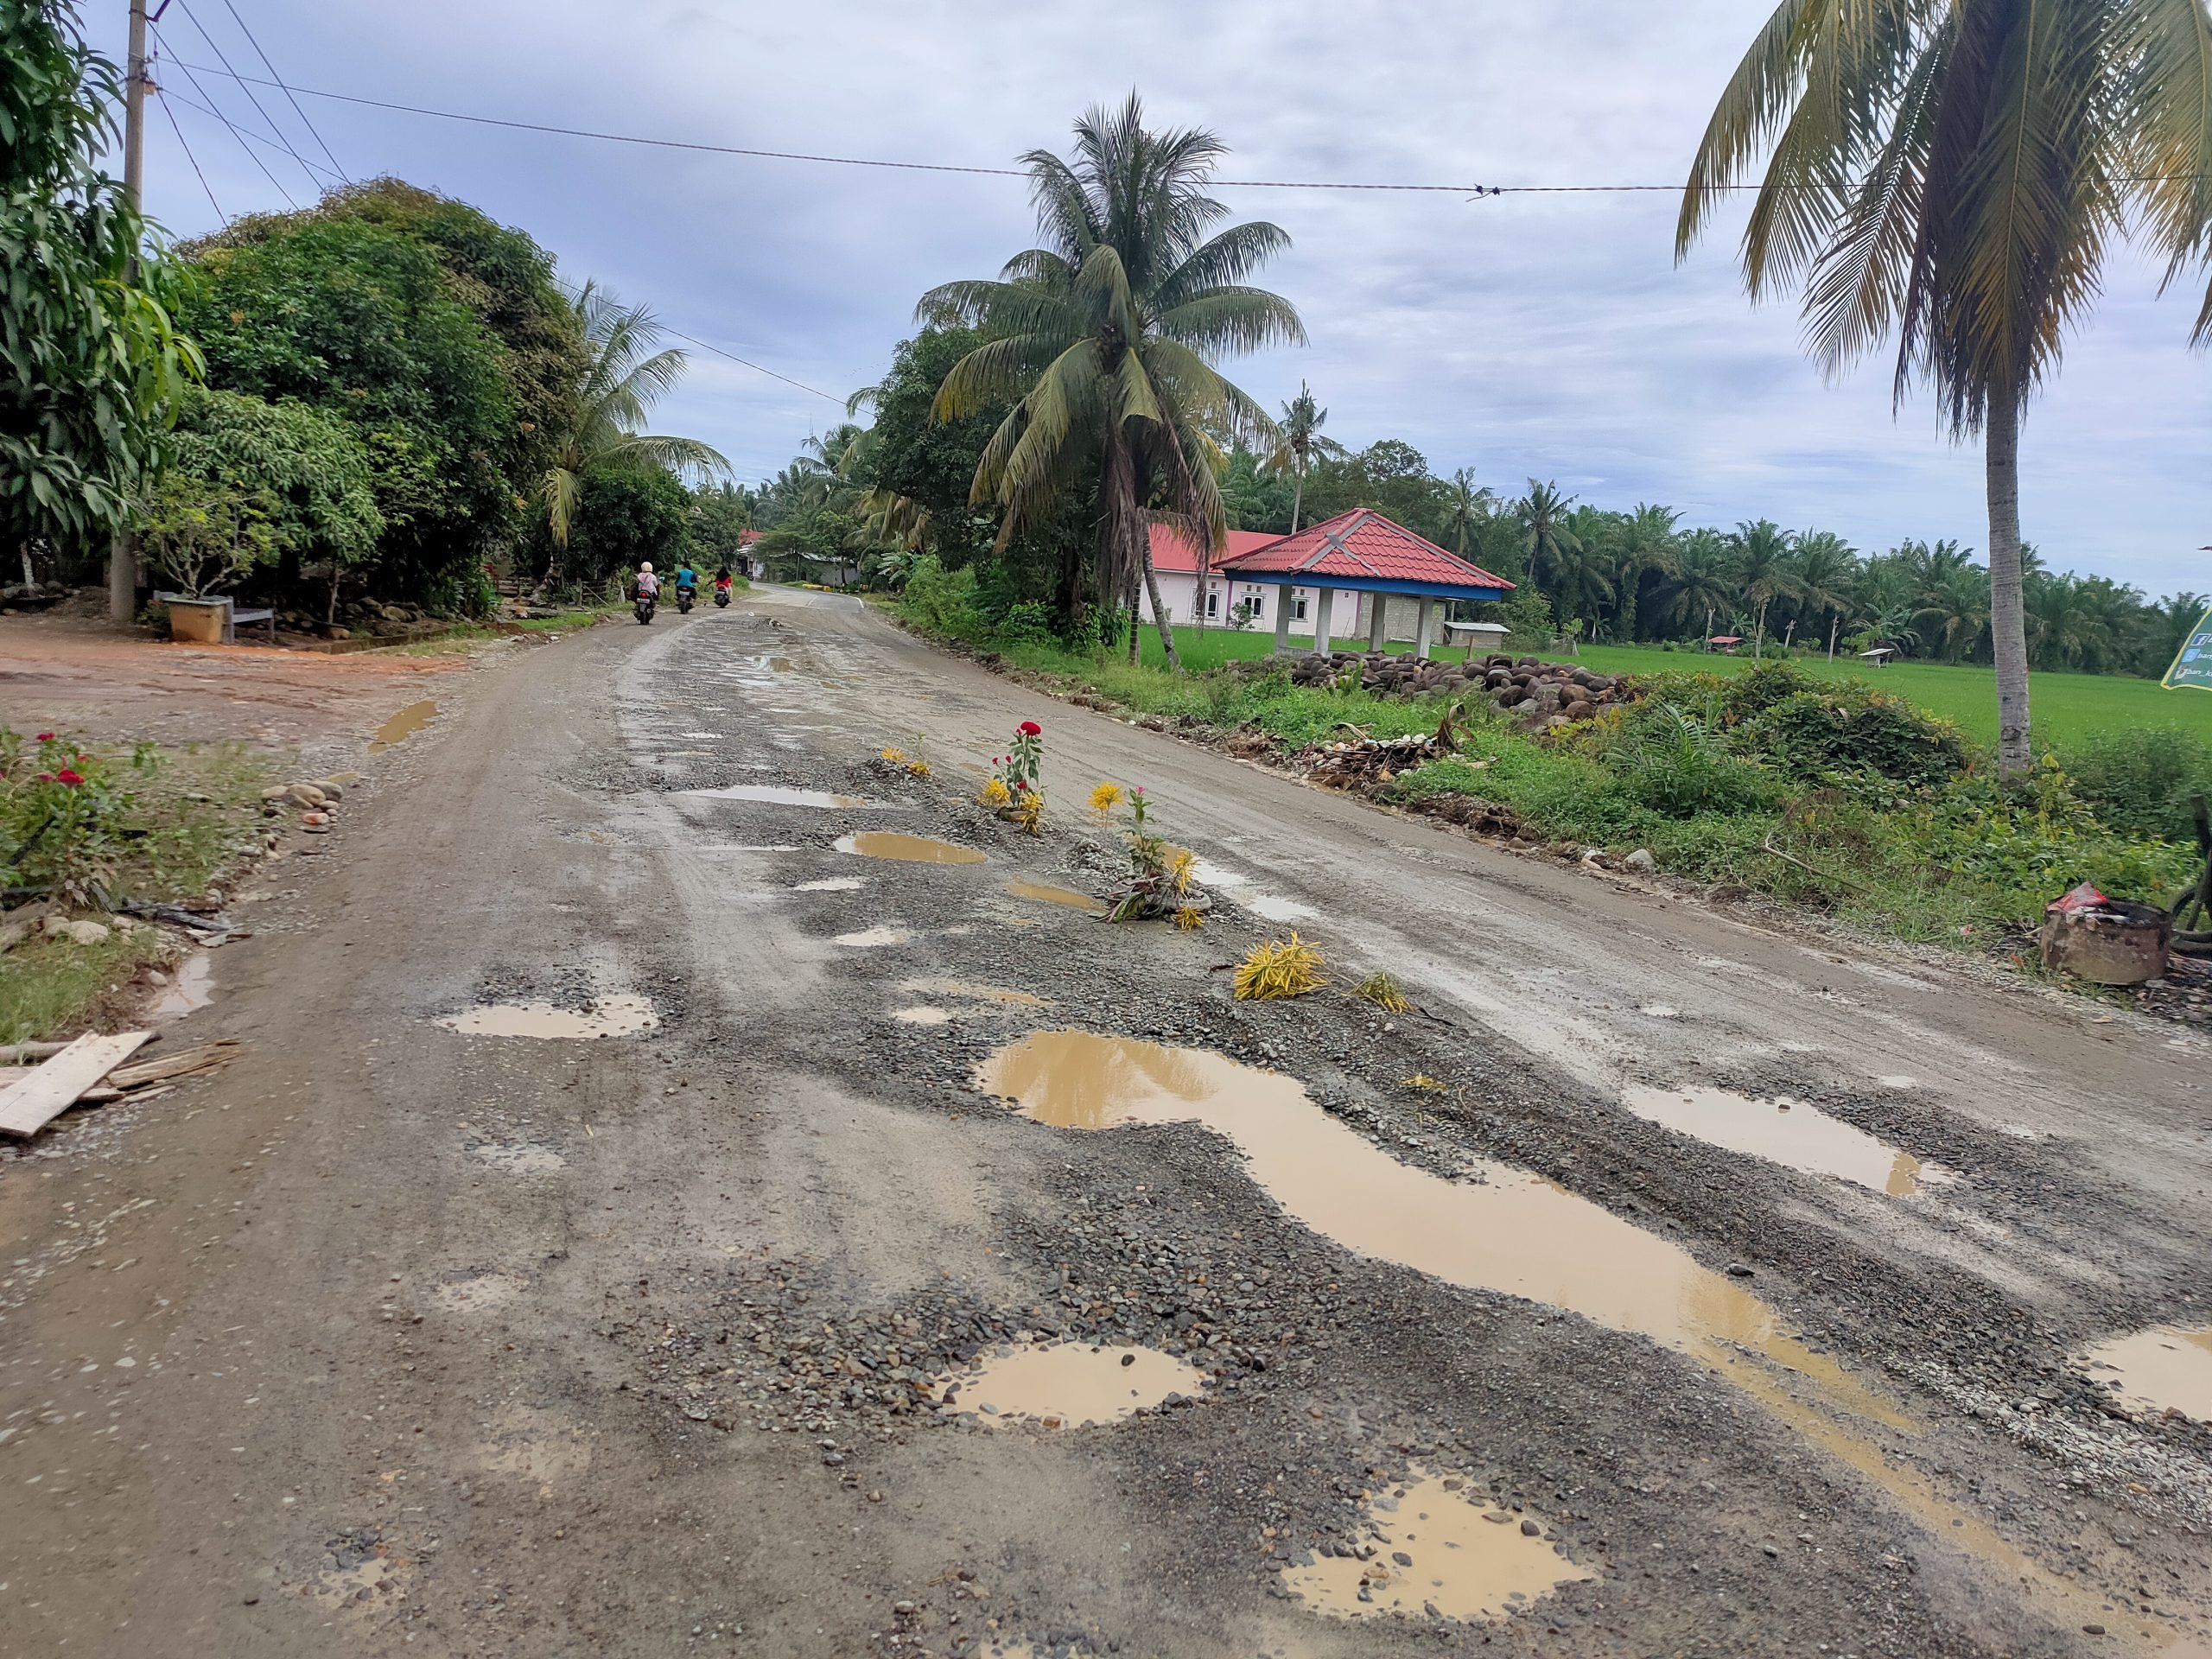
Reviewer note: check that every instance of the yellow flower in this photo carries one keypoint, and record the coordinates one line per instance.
(1105, 798)
(917, 768)
(1188, 918)
(896, 757)
(1186, 862)
(995, 793)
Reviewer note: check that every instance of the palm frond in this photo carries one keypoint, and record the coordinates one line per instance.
(2167, 47)
(1233, 320)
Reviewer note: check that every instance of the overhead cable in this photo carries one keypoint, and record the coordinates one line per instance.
(247, 86)
(328, 154)
(195, 160)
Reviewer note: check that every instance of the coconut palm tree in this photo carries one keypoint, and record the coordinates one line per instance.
(1953, 171)
(1704, 584)
(1647, 541)
(1466, 504)
(1299, 444)
(623, 378)
(1548, 539)
(1761, 550)
(1826, 569)
(1957, 610)
(1105, 337)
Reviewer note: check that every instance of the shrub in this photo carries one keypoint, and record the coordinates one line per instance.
(1823, 730)
(1669, 760)
(64, 814)
(940, 601)
(2139, 780)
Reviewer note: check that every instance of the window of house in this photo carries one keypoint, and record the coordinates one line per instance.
(1298, 604)
(1213, 603)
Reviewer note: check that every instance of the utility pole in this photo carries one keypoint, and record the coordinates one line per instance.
(122, 552)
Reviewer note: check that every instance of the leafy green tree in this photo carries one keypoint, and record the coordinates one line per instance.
(1955, 610)
(1465, 505)
(1954, 171)
(1254, 498)
(1825, 570)
(1646, 545)
(624, 515)
(1299, 444)
(1548, 545)
(627, 372)
(300, 478)
(930, 464)
(1105, 339)
(90, 364)
(367, 325)
(720, 516)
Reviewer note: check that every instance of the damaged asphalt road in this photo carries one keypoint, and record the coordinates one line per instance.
(670, 1327)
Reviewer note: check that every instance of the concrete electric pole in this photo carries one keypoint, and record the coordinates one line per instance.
(122, 552)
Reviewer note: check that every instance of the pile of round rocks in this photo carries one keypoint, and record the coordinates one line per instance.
(1550, 693)
(1383, 674)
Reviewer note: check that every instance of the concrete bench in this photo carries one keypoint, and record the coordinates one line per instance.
(238, 616)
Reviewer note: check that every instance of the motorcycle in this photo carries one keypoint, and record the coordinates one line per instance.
(644, 608)
(683, 601)
(722, 599)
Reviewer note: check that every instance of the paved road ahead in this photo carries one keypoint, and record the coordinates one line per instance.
(398, 1337)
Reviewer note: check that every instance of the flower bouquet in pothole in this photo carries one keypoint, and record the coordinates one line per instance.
(1158, 882)
(1011, 791)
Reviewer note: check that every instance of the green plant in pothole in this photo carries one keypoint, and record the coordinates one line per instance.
(1382, 991)
(1279, 968)
(1160, 880)
(1011, 791)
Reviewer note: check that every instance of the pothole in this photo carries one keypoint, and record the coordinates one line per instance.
(610, 1016)
(1068, 1384)
(1786, 1132)
(962, 987)
(833, 884)
(475, 1295)
(1275, 908)
(404, 725)
(871, 939)
(194, 988)
(1432, 1551)
(1506, 1230)
(922, 1015)
(519, 1158)
(907, 849)
(2166, 1367)
(778, 795)
(1051, 895)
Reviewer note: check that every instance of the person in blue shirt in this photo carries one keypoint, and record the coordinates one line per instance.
(686, 577)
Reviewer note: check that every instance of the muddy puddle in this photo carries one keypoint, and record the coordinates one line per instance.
(404, 725)
(961, 987)
(610, 1016)
(1435, 1550)
(2166, 1367)
(193, 987)
(778, 795)
(1267, 906)
(1786, 1132)
(922, 1014)
(907, 849)
(1505, 1231)
(1051, 895)
(1068, 1384)
(873, 938)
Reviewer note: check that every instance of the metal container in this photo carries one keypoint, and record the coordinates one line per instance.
(2119, 943)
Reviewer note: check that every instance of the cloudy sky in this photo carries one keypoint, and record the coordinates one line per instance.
(1544, 335)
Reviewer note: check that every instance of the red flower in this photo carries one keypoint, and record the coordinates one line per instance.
(45, 737)
(1031, 728)
(1018, 784)
(66, 776)
(46, 777)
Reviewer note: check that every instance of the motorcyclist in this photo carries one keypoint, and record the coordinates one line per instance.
(686, 577)
(648, 585)
(723, 586)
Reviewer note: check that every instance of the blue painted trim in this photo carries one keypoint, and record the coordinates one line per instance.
(1363, 584)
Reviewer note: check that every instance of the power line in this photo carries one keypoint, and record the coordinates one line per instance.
(192, 18)
(328, 153)
(160, 47)
(720, 351)
(195, 160)
(219, 115)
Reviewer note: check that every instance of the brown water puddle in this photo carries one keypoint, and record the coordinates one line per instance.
(1051, 895)
(1436, 1547)
(907, 849)
(978, 993)
(2166, 1367)
(1510, 1232)
(194, 988)
(404, 725)
(1786, 1132)
(781, 664)
(610, 1016)
(778, 795)
(1069, 1384)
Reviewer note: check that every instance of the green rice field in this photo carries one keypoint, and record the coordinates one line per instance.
(2066, 708)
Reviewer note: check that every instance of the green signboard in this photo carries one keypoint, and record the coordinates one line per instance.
(2193, 662)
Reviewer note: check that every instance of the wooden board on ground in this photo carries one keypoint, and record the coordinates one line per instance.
(204, 1057)
(32, 1102)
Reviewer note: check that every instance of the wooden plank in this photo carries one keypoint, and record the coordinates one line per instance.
(28, 1105)
(204, 1058)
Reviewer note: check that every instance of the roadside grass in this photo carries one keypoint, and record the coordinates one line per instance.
(193, 817)
(1958, 860)
(465, 636)
(2068, 710)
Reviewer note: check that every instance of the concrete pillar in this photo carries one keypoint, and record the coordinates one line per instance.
(1378, 621)
(1322, 597)
(1282, 619)
(1422, 628)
